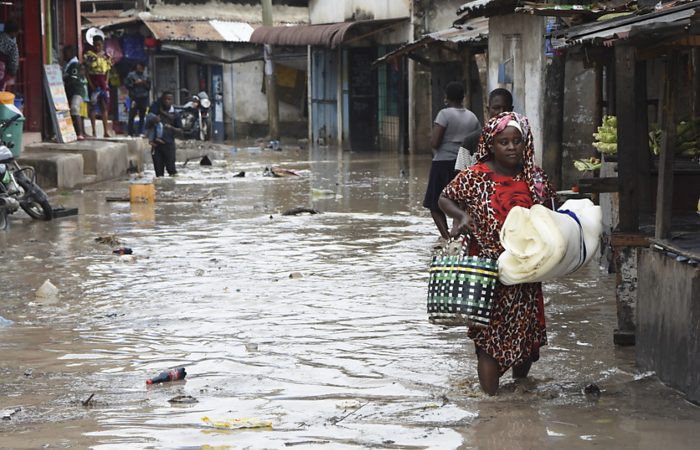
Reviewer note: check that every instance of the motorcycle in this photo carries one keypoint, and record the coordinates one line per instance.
(195, 120)
(18, 189)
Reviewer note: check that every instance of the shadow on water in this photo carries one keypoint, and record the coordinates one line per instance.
(313, 322)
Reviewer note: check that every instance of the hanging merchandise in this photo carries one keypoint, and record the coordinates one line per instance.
(114, 49)
(132, 47)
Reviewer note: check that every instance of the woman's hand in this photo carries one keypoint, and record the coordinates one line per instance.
(462, 225)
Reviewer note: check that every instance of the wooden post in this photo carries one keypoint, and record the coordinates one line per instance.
(598, 92)
(627, 137)
(664, 189)
(554, 125)
(642, 137)
(270, 78)
(466, 70)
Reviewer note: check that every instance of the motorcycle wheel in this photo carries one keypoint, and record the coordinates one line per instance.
(37, 209)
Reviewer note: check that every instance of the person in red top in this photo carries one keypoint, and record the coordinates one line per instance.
(479, 199)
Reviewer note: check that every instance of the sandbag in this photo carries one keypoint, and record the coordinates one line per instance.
(541, 244)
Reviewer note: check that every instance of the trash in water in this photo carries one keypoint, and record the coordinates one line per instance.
(232, 424)
(300, 210)
(183, 399)
(348, 404)
(109, 240)
(168, 375)
(123, 251)
(240, 174)
(205, 161)
(47, 291)
(6, 414)
(295, 275)
(5, 322)
(322, 193)
(592, 390)
(251, 347)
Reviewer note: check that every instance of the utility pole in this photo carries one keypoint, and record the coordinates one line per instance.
(273, 115)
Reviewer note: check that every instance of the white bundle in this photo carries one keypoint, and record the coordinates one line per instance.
(541, 244)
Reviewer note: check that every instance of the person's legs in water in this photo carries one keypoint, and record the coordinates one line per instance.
(521, 370)
(158, 160)
(489, 374)
(441, 222)
(169, 155)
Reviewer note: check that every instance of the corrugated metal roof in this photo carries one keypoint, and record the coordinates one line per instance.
(184, 30)
(233, 31)
(478, 8)
(620, 28)
(476, 30)
(328, 35)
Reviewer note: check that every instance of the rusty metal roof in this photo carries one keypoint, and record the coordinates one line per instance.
(327, 35)
(474, 31)
(677, 16)
(183, 30)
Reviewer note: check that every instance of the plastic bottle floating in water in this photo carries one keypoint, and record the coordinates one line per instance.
(168, 375)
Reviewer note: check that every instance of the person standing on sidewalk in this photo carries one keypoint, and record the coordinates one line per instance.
(139, 85)
(9, 54)
(76, 89)
(163, 149)
(98, 64)
(453, 124)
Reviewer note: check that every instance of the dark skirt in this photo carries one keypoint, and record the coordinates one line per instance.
(441, 173)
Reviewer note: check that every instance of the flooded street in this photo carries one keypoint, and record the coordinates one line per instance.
(315, 323)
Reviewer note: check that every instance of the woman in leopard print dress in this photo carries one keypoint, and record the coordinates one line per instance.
(478, 200)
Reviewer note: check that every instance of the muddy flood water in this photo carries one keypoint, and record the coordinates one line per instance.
(312, 327)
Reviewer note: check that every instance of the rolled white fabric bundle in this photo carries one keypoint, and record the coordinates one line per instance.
(541, 244)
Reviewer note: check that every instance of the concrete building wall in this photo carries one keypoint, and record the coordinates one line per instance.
(245, 105)
(521, 37)
(668, 313)
(321, 11)
(579, 112)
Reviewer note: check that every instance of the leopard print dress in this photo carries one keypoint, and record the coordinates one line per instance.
(517, 328)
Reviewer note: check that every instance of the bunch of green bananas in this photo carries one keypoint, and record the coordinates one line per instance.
(587, 165)
(687, 138)
(606, 137)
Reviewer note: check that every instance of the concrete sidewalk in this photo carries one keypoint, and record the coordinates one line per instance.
(77, 163)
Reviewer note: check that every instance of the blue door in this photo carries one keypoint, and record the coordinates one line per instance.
(324, 96)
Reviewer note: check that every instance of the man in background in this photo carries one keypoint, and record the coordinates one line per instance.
(139, 85)
(9, 55)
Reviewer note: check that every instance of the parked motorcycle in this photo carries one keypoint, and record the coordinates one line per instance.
(18, 189)
(195, 118)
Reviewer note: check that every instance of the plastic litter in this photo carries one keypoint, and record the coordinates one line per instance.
(47, 290)
(5, 322)
(232, 424)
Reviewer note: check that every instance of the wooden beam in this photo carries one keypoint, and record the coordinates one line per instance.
(553, 132)
(629, 240)
(598, 185)
(664, 190)
(627, 137)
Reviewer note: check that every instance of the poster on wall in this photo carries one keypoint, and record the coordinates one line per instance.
(58, 104)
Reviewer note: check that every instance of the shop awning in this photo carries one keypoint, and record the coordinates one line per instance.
(670, 18)
(474, 31)
(199, 30)
(193, 54)
(328, 35)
